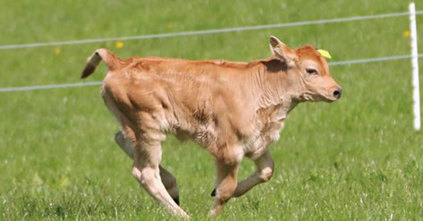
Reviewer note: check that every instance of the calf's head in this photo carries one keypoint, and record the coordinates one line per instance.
(310, 70)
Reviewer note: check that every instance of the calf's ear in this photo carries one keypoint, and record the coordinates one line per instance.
(281, 51)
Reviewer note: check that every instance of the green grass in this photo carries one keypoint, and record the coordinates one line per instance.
(355, 159)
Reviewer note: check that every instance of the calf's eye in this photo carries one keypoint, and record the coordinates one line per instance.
(311, 71)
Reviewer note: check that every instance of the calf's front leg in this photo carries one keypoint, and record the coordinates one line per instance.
(226, 183)
(263, 174)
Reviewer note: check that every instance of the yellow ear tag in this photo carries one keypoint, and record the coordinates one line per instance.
(324, 53)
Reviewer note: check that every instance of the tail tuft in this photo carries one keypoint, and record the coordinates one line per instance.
(108, 57)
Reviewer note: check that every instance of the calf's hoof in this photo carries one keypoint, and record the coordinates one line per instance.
(176, 199)
(213, 193)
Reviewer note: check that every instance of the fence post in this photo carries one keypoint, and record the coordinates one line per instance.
(415, 66)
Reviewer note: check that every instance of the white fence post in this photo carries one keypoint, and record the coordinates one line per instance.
(415, 65)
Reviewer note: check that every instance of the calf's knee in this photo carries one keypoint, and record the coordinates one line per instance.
(145, 176)
(266, 174)
(225, 193)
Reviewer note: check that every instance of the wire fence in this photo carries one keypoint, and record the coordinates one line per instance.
(205, 32)
(210, 31)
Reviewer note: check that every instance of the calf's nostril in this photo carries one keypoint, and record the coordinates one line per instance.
(337, 93)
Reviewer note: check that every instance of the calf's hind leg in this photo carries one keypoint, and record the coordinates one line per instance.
(146, 170)
(167, 178)
(125, 144)
(170, 184)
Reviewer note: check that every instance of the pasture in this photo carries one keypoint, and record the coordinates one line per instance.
(356, 159)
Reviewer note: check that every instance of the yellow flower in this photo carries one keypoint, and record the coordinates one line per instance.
(169, 25)
(57, 51)
(406, 33)
(119, 45)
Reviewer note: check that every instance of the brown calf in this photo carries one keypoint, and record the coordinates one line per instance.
(232, 109)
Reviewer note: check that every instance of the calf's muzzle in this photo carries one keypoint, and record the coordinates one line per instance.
(337, 93)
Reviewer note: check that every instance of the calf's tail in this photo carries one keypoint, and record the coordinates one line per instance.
(111, 60)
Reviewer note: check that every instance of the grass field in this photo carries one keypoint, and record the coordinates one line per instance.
(356, 159)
